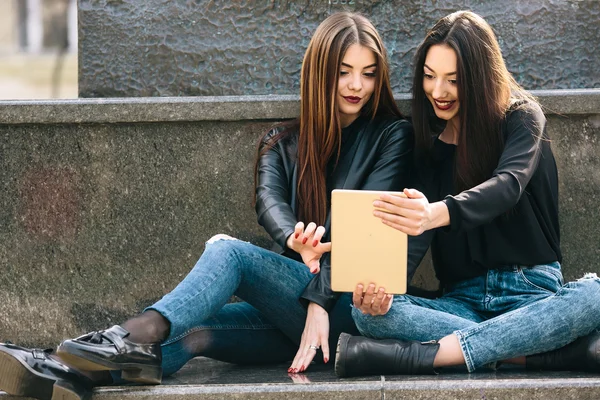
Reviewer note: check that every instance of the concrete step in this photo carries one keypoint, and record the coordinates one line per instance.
(208, 380)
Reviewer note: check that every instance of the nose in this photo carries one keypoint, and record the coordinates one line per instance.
(439, 90)
(355, 83)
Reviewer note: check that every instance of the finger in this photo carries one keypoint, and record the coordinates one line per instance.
(314, 267)
(294, 367)
(298, 229)
(368, 298)
(308, 232)
(357, 296)
(324, 247)
(305, 354)
(319, 232)
(308, 357)
(325, 348)
(386, 304)
(408, 223)
(413, 194)
(403, 228)
(392, 199)
(376, 305)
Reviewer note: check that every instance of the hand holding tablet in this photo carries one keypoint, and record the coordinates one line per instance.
(364, 250)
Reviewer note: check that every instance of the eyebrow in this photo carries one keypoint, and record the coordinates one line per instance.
(368, 66)
(431, 69)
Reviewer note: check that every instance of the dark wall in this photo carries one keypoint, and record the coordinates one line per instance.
(201, 47)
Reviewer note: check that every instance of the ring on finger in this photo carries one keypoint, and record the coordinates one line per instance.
(314, 347)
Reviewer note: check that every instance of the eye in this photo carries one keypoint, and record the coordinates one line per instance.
(370, 74)
(427, 76)
(342, 73)
(452, 81)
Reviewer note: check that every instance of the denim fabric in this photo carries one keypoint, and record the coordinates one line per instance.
(508, 312)
(266, 328)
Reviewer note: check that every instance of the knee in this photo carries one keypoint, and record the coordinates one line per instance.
(381, 326)
(589, 287)
(223, 244)
(221, 237)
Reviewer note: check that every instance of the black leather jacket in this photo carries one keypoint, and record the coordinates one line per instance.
(379, 159)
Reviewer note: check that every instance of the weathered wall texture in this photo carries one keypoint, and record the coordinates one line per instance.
(205, 47)
(98, 220)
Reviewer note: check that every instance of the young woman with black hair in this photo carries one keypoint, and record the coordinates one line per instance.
(350, 135)
(488, 205)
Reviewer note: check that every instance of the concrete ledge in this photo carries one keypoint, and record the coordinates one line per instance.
(226, 108)
(105, 204)
(208, 379)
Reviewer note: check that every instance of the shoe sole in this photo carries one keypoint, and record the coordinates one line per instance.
(18, 379)
(88, 362)
(340, 351)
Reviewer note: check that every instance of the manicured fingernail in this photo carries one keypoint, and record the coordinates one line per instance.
(315, 243)
(376, 204)
(296, 235)
(326, 359)
(360, 286)
(302, 368)
(304, 240)
(290, 369)
(312, 271)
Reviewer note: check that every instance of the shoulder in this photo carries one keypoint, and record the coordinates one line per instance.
(525, 114)
(390, 128)
(281, 135)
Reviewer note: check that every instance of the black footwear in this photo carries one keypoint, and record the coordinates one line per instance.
(32, 373)
(581, 355)
(111, 350)
(357, 356)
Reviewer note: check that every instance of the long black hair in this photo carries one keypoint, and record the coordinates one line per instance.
(485, 91)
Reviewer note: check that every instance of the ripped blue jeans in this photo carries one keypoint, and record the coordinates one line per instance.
(265, 328)
(506, 313)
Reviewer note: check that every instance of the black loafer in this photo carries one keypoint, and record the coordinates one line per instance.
(32, 373)
(111, 350)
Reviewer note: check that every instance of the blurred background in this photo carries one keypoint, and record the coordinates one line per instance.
(38, 49)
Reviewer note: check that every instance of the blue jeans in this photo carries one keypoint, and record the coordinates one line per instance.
(506, 313)
(265, 328)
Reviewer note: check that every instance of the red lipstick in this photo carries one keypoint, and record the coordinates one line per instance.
(352, 99)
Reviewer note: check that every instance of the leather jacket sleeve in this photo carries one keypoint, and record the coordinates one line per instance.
(273, 191)
(391, 171)
(518, 162)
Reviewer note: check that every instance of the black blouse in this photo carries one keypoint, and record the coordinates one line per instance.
(510, 219)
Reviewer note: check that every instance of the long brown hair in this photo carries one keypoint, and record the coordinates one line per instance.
(485, 90)
(319, 128)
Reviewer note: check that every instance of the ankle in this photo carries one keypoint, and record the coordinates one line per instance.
(148, 327)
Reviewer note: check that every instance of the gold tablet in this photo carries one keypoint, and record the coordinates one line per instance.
(363, 249)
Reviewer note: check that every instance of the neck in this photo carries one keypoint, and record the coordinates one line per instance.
(347, 120)
(450, 133)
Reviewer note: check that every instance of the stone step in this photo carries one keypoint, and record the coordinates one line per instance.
(206, 379)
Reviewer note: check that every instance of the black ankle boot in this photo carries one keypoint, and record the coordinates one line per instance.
(581, 355)
(357, 356)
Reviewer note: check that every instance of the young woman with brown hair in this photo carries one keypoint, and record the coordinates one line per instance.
(488, 204)
(350, 135)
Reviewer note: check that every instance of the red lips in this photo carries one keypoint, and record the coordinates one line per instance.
(352, 99)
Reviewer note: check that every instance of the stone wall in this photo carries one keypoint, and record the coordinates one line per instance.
(131, 48)
(105, 204)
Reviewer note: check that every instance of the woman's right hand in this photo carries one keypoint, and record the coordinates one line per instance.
(307, 243)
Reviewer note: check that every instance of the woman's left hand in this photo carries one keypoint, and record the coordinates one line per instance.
(315, 336)
(372, 302)
(411, 214)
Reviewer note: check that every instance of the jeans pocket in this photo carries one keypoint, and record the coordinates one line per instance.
(542, 277)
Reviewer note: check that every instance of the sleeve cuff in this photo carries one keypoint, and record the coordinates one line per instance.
(327, 302)
(454, 213)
